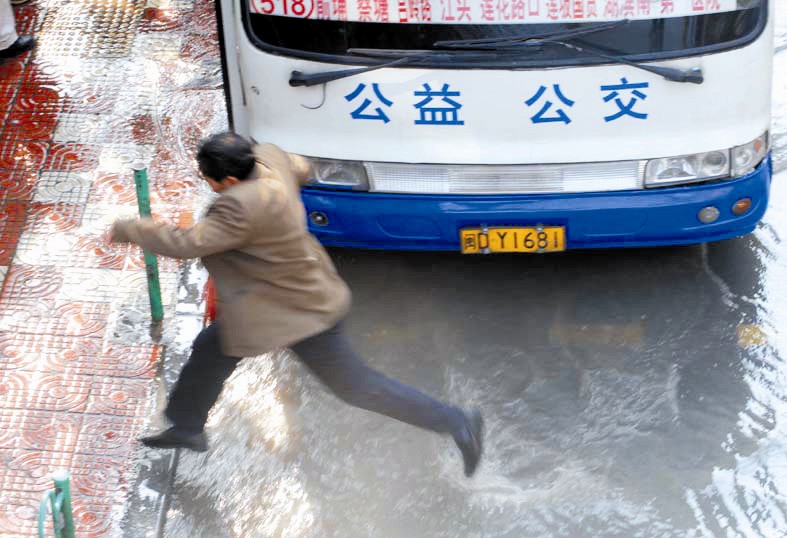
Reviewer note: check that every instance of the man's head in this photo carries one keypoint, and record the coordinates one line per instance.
(225, 159)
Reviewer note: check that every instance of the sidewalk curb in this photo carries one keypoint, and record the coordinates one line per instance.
(153, 472)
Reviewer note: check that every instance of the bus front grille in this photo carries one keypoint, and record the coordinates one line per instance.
(505, 179)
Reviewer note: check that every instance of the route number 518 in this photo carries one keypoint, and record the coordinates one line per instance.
(288, 8)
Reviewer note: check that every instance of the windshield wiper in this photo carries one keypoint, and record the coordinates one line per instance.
(494, 43)
(673, 74)
(569, 39)
(298, 78)
(388, 57)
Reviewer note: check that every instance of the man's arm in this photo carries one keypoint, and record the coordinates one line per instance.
(301, 167)
(224, 228)
(276, 158)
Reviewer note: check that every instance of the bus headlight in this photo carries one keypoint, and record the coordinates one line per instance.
(747, 157)
(339, 174)
(687, 169)
(699, 167)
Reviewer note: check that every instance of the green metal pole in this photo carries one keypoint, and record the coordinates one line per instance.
(63, 487)
(151, 263)
(46, 500)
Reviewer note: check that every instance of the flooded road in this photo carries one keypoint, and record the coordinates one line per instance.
(628, 393)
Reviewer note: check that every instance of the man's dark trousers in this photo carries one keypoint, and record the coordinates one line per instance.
(331, 358)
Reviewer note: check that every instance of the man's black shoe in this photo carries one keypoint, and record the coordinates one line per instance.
(23, 44)
(172, 439)
(470, 441)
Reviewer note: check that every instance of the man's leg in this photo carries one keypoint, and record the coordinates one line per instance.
(200, 383)
(197, 389)
(331, 358)
(7, 25)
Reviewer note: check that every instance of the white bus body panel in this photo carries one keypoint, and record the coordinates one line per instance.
(730, 108)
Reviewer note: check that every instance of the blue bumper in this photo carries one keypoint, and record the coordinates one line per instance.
(657, 217)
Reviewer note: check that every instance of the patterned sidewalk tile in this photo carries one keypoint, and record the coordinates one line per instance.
(12, 222)
(108, 435)
(18, 512)
(17, 185)
(86, 356)
(50, 431)
(106, 91)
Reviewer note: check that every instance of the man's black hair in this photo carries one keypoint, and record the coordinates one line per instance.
(226, 154)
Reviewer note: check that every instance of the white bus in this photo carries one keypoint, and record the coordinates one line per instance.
(511, 125)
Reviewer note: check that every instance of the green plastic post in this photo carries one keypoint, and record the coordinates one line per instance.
(63, 487)
(151, 263)
(46, 499)
(60, 501)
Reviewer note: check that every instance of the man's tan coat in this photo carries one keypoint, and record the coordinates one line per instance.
(275, 283)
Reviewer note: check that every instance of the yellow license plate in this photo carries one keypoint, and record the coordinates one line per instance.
(506, 239)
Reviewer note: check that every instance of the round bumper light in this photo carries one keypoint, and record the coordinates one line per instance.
(741, 206)
(319, 218)
(708, 214)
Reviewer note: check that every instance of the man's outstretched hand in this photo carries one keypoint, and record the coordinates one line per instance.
(117, 233)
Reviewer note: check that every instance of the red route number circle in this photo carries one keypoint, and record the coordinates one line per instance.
(292, 8)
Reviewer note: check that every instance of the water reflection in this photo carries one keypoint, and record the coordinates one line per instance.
(613, 380)
(748, 495)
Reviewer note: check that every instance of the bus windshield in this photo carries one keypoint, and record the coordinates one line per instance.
(326, 30)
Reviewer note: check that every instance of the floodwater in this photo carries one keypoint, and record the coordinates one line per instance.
(636, 393)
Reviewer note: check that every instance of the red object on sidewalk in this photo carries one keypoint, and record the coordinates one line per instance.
(210, 302)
